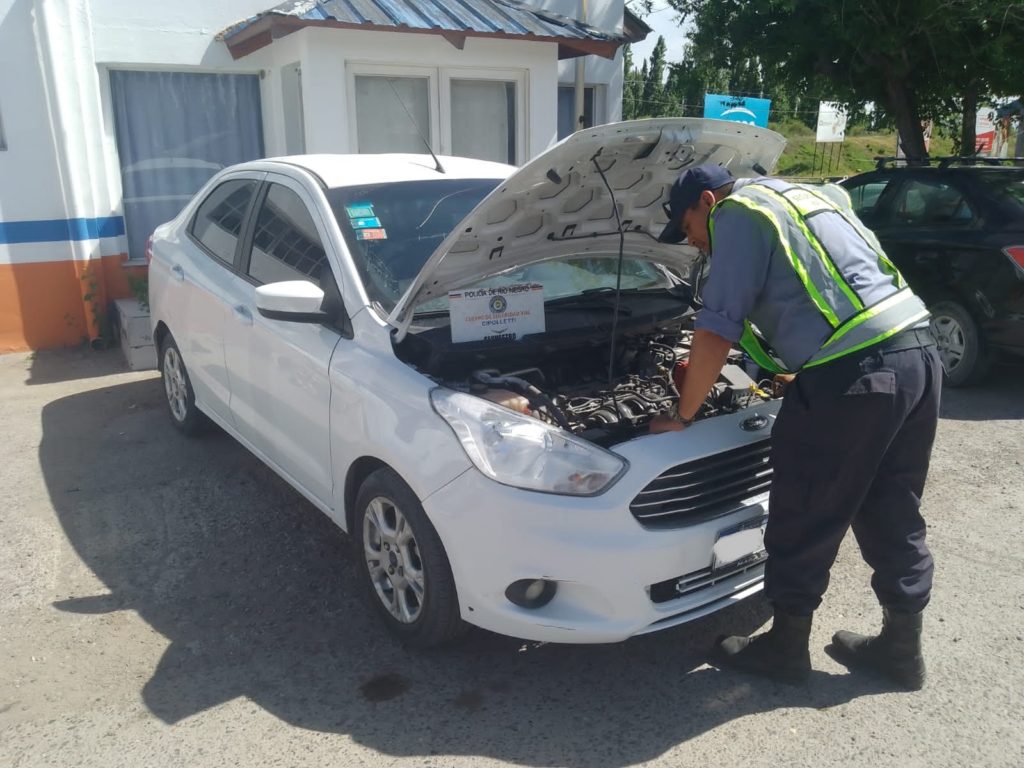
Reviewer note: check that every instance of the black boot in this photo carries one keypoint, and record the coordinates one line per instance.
(895, 652)
(781, 653)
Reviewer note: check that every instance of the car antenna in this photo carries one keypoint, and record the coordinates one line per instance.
(439, 168)
(618, 279)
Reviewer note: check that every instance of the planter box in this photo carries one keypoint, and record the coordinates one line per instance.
(136, 335)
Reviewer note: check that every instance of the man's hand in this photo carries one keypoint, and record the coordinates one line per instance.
(781, 383)
(663, 422)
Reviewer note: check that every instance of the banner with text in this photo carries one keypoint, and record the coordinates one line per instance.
(738, 109)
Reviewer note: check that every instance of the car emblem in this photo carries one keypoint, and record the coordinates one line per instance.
(754, 423)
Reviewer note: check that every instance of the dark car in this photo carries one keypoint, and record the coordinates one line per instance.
(956, 232)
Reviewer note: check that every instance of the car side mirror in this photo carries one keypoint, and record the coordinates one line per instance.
(297, 301)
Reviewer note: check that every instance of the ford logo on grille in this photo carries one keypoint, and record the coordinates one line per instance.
(754, 423)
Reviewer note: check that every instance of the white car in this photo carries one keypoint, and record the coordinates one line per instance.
(439, 360)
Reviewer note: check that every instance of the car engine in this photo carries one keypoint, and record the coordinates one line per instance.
(570, 387)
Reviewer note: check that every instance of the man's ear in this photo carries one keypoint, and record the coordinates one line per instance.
(707, 196)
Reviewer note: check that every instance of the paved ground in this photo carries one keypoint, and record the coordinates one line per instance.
(165, 602)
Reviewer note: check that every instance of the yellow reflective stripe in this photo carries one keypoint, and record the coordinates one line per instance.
(857, 320)
(880, 337)
(883, 261)
(853, 298)
(812, 290)
(753, 347)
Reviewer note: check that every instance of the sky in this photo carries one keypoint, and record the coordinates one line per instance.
(663, 21)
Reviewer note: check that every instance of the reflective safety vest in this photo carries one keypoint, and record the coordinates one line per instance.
(791, 211)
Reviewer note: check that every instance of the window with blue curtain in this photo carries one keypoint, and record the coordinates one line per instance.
(174, 131)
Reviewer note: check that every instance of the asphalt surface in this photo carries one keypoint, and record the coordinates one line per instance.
(170, 602)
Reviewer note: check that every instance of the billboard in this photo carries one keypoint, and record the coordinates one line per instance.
(985, 130)
(831, 123)
(738, 109)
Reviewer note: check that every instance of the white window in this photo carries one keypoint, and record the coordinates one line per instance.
(470, 113)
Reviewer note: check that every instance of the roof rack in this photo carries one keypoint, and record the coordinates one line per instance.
(945, 162)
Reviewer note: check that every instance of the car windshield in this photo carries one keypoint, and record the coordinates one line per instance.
(392, 229)
(1008, 185)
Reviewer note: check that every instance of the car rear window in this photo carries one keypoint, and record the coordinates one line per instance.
(391, 229)
(1005, 184)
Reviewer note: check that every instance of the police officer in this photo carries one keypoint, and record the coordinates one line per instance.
(793, 266)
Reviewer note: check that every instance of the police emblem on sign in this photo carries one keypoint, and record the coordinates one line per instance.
(498, 304)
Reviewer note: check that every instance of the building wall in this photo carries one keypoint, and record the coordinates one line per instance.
(62, 244)
(605, 74)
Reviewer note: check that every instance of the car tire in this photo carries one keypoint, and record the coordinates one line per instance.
(179, 395)
(402, 564)
(965, 359)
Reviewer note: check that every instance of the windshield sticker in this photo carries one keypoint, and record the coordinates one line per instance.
(371, 234)
(359, 210)
(367, 222)
(506, 312)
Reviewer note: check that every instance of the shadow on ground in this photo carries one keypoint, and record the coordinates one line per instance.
(251, 586)
(1000, 396)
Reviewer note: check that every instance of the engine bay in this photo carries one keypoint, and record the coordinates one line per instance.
(566, 382)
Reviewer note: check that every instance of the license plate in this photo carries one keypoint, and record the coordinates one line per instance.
(739, 544)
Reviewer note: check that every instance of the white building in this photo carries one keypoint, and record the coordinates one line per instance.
(113, 112)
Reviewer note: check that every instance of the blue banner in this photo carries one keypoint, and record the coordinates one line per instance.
(738, 109)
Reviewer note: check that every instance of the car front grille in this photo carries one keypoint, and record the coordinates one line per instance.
(705, 488)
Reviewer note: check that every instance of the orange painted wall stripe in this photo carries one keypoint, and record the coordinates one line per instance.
(50, 304)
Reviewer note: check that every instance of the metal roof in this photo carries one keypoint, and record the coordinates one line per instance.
(455, 20)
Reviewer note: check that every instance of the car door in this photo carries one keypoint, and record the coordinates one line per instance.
(930, 229)
(280, 388)
(202, 269)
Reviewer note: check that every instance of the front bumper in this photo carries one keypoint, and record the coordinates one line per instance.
(604, 561)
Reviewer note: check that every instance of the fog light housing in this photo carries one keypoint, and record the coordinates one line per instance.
(531, 593)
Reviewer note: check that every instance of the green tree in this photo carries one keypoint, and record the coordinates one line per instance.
(654, 81)
(910, 57)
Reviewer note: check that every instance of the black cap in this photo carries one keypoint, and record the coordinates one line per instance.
(685, 193)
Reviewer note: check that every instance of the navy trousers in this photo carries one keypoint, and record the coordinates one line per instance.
(851, 447)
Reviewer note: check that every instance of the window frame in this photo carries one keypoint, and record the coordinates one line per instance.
(926, 179)
(439, 99)
(880, 208)
(486, 75)
(214, 184)
(354, 70)
(245, 260)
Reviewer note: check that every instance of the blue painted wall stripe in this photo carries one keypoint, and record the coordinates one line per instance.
(60, 230)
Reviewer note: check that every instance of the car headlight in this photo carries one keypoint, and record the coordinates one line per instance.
(518, 450)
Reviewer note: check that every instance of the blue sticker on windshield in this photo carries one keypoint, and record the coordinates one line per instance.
(369, 222)
(359, 210)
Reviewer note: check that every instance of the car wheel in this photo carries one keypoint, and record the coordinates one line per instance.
(181, 400)
(961, 349)
(402, 563)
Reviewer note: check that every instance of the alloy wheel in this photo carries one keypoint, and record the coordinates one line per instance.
(950, 340)
(393, 559)
(174, 383)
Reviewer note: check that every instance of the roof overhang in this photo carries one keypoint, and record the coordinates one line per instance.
(580, 39)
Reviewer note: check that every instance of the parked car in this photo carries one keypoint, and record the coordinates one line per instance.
(314, 308)
(956, 232)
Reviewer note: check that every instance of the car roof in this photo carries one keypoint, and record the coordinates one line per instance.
(359, 170)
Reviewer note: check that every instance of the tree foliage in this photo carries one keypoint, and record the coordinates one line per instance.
(915, 58)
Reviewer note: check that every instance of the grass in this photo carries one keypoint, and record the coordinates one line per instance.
(855, 155)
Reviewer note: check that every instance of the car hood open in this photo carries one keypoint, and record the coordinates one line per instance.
(557, 205)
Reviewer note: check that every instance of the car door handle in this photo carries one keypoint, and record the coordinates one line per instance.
(242, 314)
(178, 272)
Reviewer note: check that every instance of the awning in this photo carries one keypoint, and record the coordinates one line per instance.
(455, 20)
